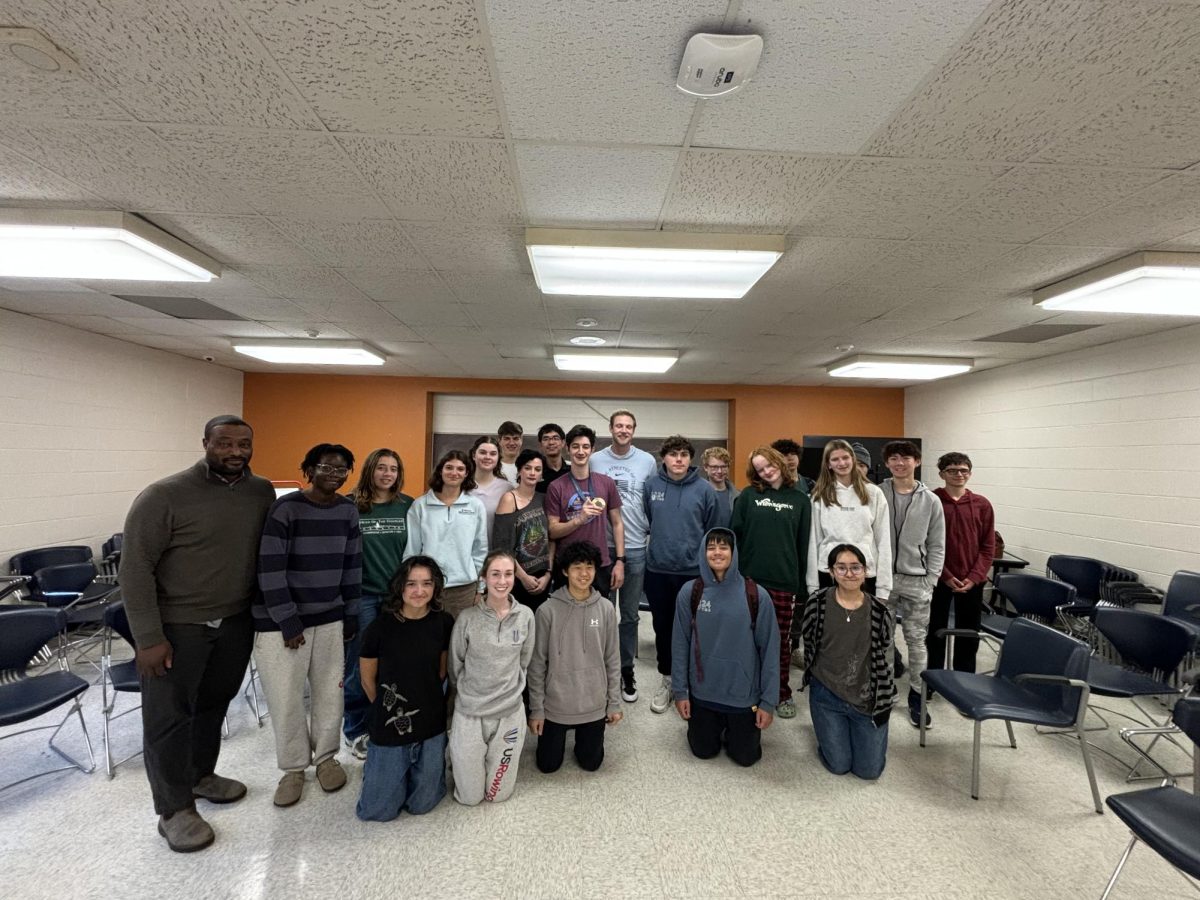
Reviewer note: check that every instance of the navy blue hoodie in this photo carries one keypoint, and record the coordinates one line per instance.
(680, 514)
(741, 667)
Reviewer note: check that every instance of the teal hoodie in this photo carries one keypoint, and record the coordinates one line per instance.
(741, 666)
(680, 513)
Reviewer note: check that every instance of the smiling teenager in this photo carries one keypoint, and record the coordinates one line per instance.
(522, 530)
(490, 481)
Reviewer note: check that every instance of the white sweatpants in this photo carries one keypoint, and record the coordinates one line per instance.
(485, 754)
(303, 738)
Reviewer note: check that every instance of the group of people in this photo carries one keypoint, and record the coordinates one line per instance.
(505, 599)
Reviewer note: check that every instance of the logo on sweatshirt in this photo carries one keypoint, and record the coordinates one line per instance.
(658, 496)
(594, 623)
(773, 504)
(517, 637)
(705, 605)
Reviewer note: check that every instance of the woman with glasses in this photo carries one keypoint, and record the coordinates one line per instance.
(848, 638)
(715, 463)
(848, 509)
(450, 525)
(490, 482)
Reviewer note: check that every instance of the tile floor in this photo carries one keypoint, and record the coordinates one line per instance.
(653, 822)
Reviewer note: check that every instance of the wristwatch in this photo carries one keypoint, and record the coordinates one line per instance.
(618, 559)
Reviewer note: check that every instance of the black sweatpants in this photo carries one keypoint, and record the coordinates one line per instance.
(661, 589)
(708, 729)
(968, 611)
(589, 745)
(183, 710)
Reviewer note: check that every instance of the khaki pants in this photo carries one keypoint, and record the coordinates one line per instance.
(462, 596)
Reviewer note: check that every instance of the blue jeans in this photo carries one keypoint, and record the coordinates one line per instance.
(358, 707)
(411, 777)
(630, 600)
(847, 740)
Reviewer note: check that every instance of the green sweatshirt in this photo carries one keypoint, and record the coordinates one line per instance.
(772, 530)
(190, 549)
(384, 537)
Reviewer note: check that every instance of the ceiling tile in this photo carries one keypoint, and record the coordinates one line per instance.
(399, 285)
(242, 329)
(669, 316)
(36, 92)
(509, 293)
(625, 187)
(32, 185)
(234, 240)
(368, 67)
(351, 244)
(835, 104)
(194, 62)
(427, 315)
(813, 264)
(927, 264)
(229, 286)
(302, 282)
(609, 314)
(95, 324)
(1162, 212)
(125, 164)
(607, 74)
(1031, 71)
(435, 181)
(645, 340)
(757, 192)
(164, 325)
(298, 174)
(892, 198)
(1035, 265)
(471, 248)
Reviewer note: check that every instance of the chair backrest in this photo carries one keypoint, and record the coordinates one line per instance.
(30, 561)
(1034, 596)
(1186, 717)
(113, 544)
(1182, 592)
(1144, 640)
(23, 633)
(117, 619)
(69, 580)
(1031, 648)
(1085, 573)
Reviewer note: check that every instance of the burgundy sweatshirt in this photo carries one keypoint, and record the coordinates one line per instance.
(970, 536)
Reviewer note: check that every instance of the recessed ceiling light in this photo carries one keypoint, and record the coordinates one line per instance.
(1148, 282)
(588, 340)
(586, 322)
(649, 263)
(37, 51)
(901, 368)
(51, 243)
(311, 352)
(626, 361)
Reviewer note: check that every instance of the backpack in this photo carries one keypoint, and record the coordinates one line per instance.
(697, 594)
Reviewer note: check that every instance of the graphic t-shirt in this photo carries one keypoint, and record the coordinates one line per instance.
(564, 501)
(844, 662)
(526, 534)
(385, 535)
(630, 472)
(410, 705)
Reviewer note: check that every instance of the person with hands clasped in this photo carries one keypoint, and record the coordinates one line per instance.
(575, 674)
(725, 659)
(310, 578)
(522, 531)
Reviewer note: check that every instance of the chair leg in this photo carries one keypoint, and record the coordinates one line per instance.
(1012, 738)
(78, 710)
(975, 761)
(1117, 871)
(108, 760)
(924, 705)
(1091, 773)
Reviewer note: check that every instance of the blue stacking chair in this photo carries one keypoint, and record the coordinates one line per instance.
(1182, 603)
(116, 679)
(1040, 679)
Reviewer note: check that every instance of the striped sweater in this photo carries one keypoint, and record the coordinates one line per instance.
(309, 565)
(812, 629)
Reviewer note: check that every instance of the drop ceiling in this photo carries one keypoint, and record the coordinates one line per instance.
(366, 170)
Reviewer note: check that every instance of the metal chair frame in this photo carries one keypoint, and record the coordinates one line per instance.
(108, 703)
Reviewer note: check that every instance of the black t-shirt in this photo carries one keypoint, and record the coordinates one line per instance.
(549, 475)
(410, 705)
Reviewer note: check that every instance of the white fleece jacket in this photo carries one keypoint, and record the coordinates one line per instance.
(850, 522)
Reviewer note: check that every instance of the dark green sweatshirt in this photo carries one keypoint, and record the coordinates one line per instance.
(772, 531)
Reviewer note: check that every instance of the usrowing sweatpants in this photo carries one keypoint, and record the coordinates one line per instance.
(485, 754)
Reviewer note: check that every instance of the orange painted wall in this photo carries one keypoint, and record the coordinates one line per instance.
(290, 413)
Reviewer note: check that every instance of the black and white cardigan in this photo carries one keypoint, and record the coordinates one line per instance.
(812, 629)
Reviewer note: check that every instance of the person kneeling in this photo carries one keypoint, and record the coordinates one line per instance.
(724, 656)
(848, 640)
(575, 674)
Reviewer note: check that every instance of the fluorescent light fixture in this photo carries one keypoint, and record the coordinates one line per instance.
(1148, 282)
(646, 361)
(53, 243)
(311, 352)
(649, 263)
(902, 368)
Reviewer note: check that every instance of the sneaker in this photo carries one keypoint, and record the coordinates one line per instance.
(331, 776)
(185, 831)
(786, 709)
(358, 746)
(628, 686)
(798, 658)
(218, 789)
(900, 667)
(914, 711)
(290, 787)
(662, 697)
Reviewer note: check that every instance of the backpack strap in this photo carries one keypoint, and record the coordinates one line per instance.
(697, 593)
(752, 602)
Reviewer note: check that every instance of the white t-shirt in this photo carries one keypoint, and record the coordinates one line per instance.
(630, 473)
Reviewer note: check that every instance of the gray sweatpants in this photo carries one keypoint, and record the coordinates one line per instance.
(910, 600)
(485, 754)
(303, 738)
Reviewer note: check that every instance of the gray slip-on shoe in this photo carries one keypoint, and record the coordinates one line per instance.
(185, 831)
(219, 789)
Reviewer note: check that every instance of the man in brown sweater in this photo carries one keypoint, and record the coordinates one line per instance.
(187, 577)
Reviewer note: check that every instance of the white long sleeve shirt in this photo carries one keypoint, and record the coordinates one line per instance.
(852, 522)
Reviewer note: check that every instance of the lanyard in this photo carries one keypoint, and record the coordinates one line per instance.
(575, 484)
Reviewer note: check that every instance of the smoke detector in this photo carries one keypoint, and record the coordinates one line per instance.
(36, 50)
(718, 64)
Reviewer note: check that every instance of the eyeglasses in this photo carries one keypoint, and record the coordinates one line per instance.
(713, 467)
(323, 469)
(855, 569)
(956, 471)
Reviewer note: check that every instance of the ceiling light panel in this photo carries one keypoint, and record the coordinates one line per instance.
(649, 263)
(900, 368)
(653, 362)
(1146, 283)
(311, 352)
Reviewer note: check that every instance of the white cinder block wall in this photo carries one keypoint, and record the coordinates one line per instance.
(1093, 453)
(86, 422)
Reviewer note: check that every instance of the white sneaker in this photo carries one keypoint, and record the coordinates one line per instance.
(358, 746)
(662, 697)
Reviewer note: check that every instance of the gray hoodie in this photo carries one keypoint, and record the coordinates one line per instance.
(575, 674)
(740, 665)
(920, 550)
(680, 514)
(488, 658)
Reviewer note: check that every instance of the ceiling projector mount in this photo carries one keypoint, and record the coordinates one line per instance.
(714, 65)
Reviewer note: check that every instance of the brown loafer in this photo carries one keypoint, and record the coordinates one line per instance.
(185, 831)
(219, 789)
(291, 786)
(331, 776)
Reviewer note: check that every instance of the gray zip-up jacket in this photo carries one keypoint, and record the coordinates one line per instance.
(489, 657)
(921, 549)
(575, 674)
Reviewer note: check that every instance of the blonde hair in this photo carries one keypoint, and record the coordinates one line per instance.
(826, 487)
(716, 453)
(775, 458)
